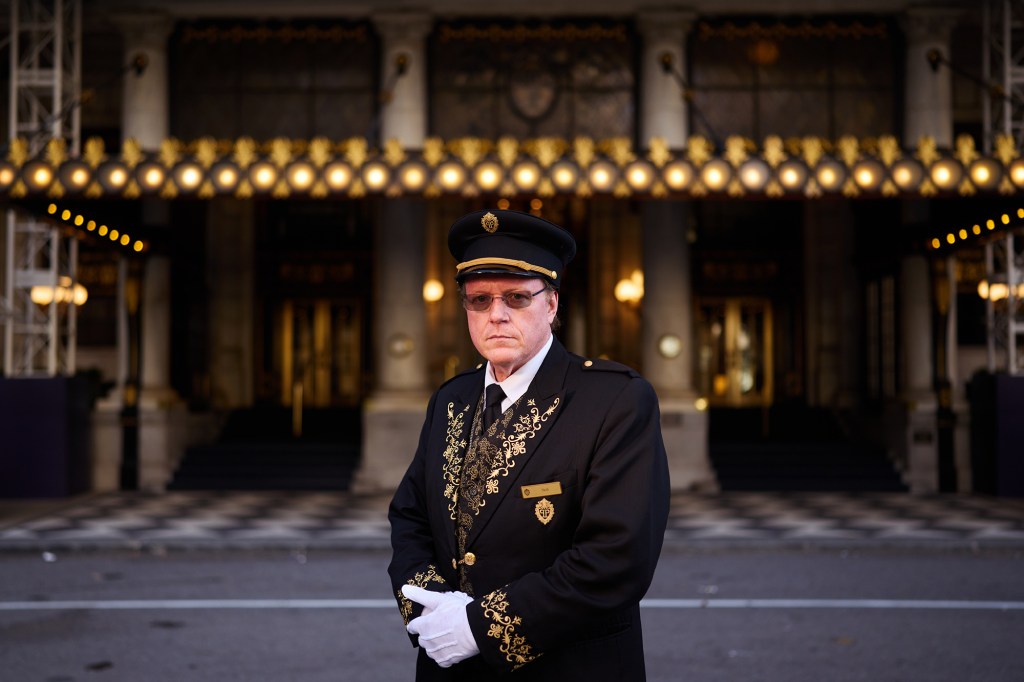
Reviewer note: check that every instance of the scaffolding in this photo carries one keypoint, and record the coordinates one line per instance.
(1003, 66)
(40, 262)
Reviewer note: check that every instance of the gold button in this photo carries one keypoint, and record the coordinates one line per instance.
(470, 558)
(480, 365)
(588, 363)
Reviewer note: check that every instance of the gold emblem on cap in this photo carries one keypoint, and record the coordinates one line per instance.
(489, 222)
(545, 511)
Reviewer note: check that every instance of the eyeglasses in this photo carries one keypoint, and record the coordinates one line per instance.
(480, 303)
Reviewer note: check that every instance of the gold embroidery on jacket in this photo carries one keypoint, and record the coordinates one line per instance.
(452, 456)
(503, 628)
(419, 580)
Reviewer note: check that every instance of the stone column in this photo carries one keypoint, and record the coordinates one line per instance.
(145, 117)
(922, 474)
(929, 89)
(668, 294)
(394, 413)
(929, 112)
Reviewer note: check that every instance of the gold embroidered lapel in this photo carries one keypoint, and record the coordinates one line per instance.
(456, 441)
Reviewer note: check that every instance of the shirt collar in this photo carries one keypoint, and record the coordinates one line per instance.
(517, 383)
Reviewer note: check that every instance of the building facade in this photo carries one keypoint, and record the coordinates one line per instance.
(758, 190)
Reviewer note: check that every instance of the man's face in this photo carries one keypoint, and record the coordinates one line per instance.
(509, 337)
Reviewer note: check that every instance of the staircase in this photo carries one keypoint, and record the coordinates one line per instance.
(794, 449)
(256, 451)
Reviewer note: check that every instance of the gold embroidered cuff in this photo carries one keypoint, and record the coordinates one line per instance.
(504, 628)
(423, 579)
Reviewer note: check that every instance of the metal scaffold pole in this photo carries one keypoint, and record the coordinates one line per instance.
(40, 264)
(1003, 67)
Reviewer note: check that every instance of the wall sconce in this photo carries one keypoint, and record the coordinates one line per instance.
(64, 292)
(451, 175)
(792, 175)
(630, 290)
(301, 176)
(986, 174)
(670, 346)
(188, 176)
(38, 175)
(75, 175)
(263, 176)
(433, 291)
(150, 175)
(224, 176)
(868, 175)
(564, 175)
(640, 175)
(997, 291)
(754, 174)
(526, 175)
(907, 174)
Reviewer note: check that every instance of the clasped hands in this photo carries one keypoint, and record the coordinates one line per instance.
(443, 628)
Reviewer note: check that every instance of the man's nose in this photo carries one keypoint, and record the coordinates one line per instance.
(498, 309)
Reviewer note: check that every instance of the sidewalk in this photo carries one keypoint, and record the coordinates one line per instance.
(256, 520)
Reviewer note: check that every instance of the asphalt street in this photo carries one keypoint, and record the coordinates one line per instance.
(781, 614)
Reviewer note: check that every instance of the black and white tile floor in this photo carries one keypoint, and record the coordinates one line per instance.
(339, 520)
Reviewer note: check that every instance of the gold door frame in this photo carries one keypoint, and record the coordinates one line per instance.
(735, 351)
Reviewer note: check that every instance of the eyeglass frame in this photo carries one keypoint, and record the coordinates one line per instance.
(504, 299)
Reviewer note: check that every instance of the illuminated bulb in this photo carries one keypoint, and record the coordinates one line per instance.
(488, 177)
(66, 215)
(114, 235)
(51, 209)
(714, 177)
(1005, 219)
(963, 234)
(103, 230)
(564, 177)
(981, 174)
(902, 177)
(536, 204)
(701, 404)
(1017, 174)
(526, 176)
(752, 177)
(951, 238)
(376, 177)
(451, 177)
(942, 175)
(227, 177)
(153, 177)
(990, 224)
(503, 204)
(190, 177)
(601, 178)
(677, 178)
(865, 177)
(264, 176)
(137, 246)
(42, 176)
(6, 176)
(1020, 212)
(433, 291)
(338, 177)
(976, 229)
(79, 176)
(413, 177)
(301, 177)
(79, 220)
(91, 225)
(936, 243)
(125, 240)
(789, 177)
(117, 177)
(638, 177)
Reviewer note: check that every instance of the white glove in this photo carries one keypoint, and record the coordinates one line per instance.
(443, 631)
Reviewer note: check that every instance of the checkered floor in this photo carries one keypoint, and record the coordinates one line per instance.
(338, 520)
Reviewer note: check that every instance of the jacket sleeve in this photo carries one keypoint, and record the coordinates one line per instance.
(413, 560)
(614, 550)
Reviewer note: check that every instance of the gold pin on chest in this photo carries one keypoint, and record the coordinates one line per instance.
(544, 510)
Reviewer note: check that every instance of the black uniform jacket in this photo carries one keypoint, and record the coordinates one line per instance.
(569, 527)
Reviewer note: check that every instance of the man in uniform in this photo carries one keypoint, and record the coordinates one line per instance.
(529, 524)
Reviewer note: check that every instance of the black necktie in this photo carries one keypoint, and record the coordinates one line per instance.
(493, 410)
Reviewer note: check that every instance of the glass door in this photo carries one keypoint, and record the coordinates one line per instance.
(734, 359)
(319, 353)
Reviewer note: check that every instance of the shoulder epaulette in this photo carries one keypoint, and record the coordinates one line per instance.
(602, 365)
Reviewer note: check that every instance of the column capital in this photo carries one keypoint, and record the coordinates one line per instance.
(143, 27)
(665, 23)
(930, 24)
(408, 25)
